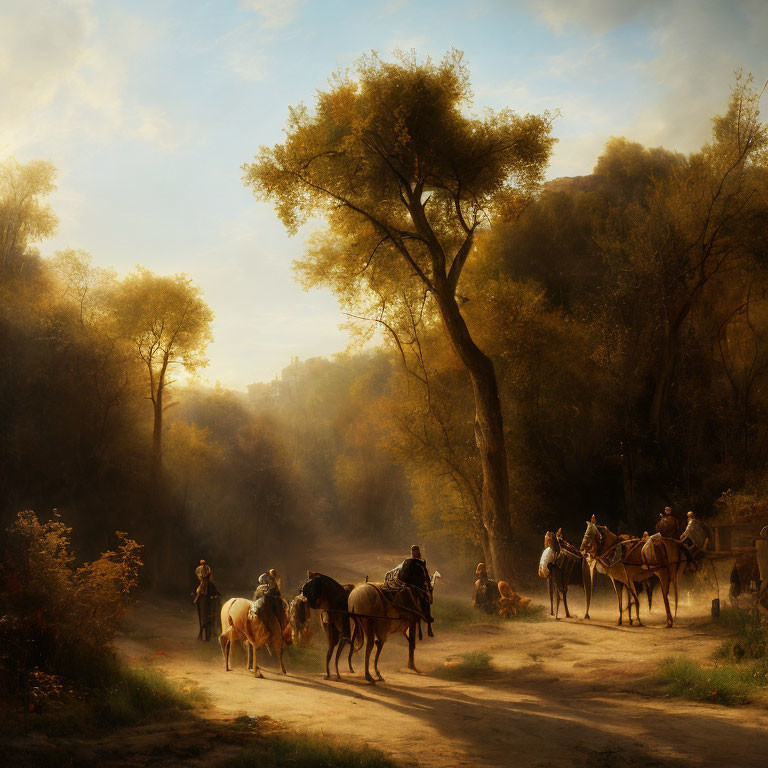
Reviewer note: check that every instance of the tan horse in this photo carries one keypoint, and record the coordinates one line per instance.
(238, 624)
(638, 561)
(377, 616)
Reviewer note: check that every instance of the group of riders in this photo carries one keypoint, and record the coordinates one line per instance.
(411, 572)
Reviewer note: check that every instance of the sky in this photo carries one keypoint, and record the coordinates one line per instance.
(148, 108)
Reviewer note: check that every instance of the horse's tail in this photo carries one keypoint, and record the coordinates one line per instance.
(357, 629)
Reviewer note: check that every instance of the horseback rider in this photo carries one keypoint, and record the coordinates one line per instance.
(269, 589)
(668, 525)
(412, 572)
(205, 578)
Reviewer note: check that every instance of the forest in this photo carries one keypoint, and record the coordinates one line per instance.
(600, 347)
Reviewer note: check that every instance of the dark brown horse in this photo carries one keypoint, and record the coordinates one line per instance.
(325, 594)
(208, 612)
(745, 571)
(569, 567)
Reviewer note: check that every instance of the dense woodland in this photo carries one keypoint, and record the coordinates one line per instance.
(625, 314)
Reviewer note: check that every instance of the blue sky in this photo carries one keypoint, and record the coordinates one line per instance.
(148, 109)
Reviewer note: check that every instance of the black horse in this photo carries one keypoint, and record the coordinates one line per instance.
(568, 567)
(326, 594)
(208, 614)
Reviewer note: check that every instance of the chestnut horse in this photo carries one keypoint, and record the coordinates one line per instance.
(636, 561)
(377, 616)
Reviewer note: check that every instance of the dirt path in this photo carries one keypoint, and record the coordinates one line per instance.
(564, 695)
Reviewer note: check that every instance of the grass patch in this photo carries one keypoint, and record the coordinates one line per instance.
(281, 750)
(139, 693)
(122, 695)
(722, 683)
(750, 641)
(467, 667)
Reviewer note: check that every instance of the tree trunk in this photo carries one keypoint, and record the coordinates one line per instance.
(157, 435)
(666, 369)
(489, 436)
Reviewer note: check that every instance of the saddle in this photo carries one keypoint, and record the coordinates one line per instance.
(616, 555)
(258, 609)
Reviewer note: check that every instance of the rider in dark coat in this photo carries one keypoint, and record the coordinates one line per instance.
(668, 525)
(413, 572)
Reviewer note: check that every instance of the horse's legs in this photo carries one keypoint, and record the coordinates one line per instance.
(565, 601)
(256, 670)
(664, 580)
(379, 645)
(633, 595)
(551, 596)
(618, 588)
(557, 601)
(277, 647)
(586, 579)
(331, 639)
(368, 649)
(412, 647)
(351, 651)
(224, 641)
(676, 583)
(339, 649)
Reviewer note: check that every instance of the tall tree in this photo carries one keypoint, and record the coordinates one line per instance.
(404, 177)
(24, 218)
(169, 324)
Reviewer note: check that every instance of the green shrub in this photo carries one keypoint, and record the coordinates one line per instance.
(723, 684)
(750, 639)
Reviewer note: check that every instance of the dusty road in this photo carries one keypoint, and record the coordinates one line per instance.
(567, 693)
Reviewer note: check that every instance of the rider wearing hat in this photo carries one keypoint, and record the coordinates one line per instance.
(413, 572)
(205, 578)
(668, 525)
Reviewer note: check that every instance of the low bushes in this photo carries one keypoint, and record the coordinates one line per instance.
(722, 684)
(740, 669)
(466, 667)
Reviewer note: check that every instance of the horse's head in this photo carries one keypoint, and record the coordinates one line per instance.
(549, 540)
(592, 540)
(299, 617)
(311, 590)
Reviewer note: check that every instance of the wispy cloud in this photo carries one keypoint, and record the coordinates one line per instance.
(64, 73)
(275, 14)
